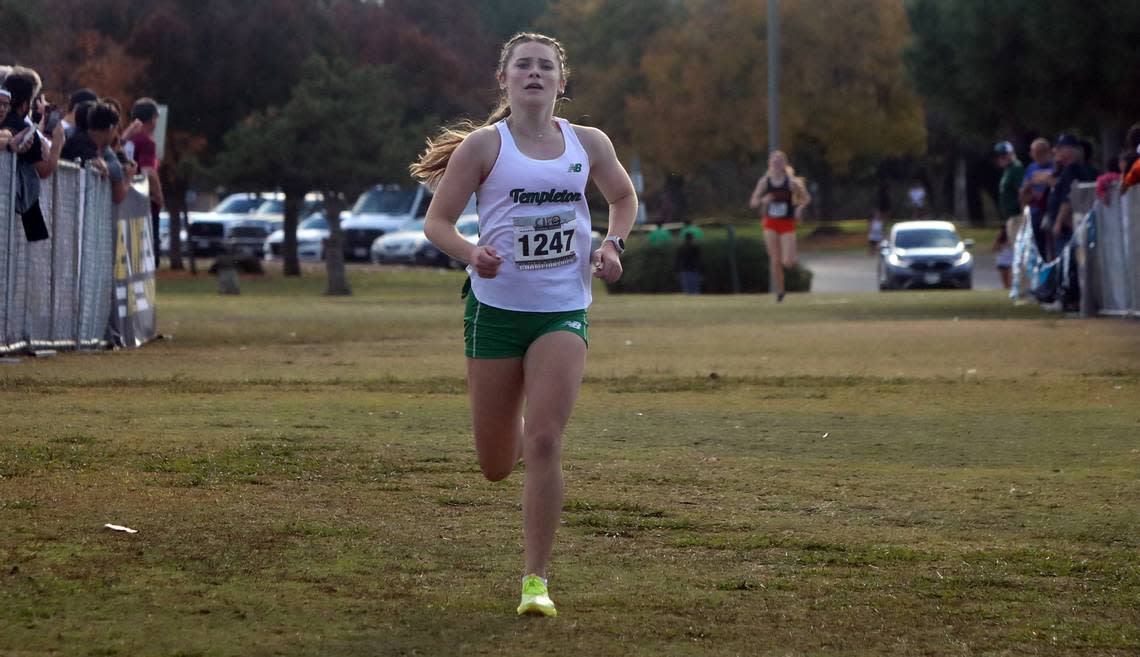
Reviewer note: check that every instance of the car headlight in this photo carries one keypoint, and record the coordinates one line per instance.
(895, 261)
(963, 259)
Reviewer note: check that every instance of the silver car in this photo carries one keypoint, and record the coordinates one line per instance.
(410, 246)
(921, 254)
(312, 236)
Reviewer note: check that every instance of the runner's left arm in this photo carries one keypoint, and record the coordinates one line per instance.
(615, 185)
(803, 197)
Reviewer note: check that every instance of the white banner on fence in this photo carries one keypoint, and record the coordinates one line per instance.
(133, 321)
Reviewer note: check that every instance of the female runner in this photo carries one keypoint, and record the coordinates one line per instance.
(529, 274)
(784, 198)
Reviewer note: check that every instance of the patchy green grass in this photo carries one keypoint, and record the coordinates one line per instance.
(920, 473)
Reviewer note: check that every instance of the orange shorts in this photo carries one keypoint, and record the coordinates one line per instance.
(781, 226)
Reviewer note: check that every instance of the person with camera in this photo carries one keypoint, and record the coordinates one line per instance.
(36, 157)
(24, 137)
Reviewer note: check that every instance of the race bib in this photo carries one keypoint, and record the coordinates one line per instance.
(778, 209)
(545, 241)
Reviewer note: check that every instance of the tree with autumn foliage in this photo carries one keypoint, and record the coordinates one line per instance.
(844, 102)
(336, 135)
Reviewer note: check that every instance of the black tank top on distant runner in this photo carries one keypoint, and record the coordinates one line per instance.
(780, 207)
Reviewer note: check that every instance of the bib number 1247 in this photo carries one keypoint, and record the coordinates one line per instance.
(544, 242)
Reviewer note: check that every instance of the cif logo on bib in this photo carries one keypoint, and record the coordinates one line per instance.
(546, 223)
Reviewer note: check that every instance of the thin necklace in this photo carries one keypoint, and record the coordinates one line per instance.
(539, 135)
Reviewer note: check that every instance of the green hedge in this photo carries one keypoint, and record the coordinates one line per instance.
(651, 269)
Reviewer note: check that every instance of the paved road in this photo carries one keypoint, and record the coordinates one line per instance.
(852, 272)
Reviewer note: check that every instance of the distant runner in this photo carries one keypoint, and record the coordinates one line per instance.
(784, 198)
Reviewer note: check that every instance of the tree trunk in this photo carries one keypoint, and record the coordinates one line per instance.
(1110, 144)
(293, 202)
(175, 184)
(227, 273)
(823, 201)
(176, 206)
(960, 209)
(193, 255)
(334, 250)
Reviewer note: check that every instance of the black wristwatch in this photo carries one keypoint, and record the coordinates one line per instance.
(618, 243)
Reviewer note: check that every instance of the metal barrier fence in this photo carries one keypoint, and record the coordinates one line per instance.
(1109, 251)
(57, 293)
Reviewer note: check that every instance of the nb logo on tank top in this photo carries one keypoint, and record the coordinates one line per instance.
(575, 168)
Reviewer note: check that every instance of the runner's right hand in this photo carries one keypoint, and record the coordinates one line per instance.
(486, 261)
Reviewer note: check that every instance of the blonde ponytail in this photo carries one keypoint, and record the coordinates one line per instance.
(432, 164)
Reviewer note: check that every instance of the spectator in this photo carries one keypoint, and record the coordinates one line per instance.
(1104, 182)
(79, 145)
(1087, 158)
(1132, 172)
(1013, 173)
(659, 235)
(78, 97)
(20, 136)
(1035, 189)
(91, 145)
(1132, 147)
(23, 85)
(916, 195)
(688, 264)
(141, 147)
(875, 231)
(690, 229)
(1070, 168)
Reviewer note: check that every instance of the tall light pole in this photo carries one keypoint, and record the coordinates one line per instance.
(773, 75)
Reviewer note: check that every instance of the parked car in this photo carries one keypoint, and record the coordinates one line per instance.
(207, 231)
(381, 210)
(925, 254)
(312, 235)
(273, 210)
(468, 227)
(247, 236)
(410, 246)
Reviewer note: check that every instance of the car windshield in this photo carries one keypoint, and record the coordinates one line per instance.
(239, 205)
(272, 206)
(277, 206)
(468, 227)
(926, 238)
(318, 222)
(385, 201)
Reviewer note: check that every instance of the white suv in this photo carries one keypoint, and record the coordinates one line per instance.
(381, 210)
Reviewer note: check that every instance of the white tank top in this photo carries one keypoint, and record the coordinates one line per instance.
(534, 213)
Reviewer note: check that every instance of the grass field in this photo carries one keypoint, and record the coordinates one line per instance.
(907, 474)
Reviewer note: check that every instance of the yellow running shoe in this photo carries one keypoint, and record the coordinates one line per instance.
(535, 598)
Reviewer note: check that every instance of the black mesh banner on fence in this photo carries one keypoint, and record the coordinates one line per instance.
(58, 293)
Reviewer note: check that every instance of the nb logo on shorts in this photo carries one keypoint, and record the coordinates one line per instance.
(575, 168)
(577, 326)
